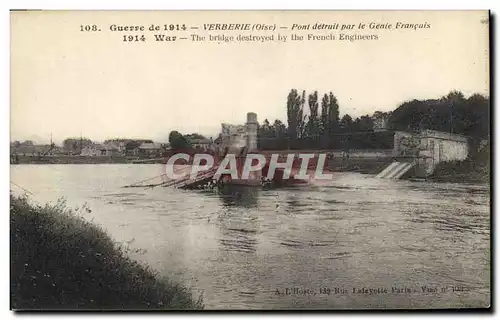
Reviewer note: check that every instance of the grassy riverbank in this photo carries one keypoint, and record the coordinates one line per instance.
(61, 261)
(461, 171)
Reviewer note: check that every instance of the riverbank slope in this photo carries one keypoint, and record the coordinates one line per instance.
(461, 171)
(61, 261)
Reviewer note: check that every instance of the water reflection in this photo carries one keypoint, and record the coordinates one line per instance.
(238, 225)
(238, 237)
(239, 196)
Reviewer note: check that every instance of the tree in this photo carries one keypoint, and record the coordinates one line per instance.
(329, 114)
(324, 114)
(451, 113)
(454, 99)
(273, 136)
(346, 123)
(363, 123)
(295, 114)
(333, 114)
(313, 125)
(75, 145)
(279, 129)
(477, 119)
(265, 130)
(178, 141)
(301, 127)
(28, 143)
(381, 114)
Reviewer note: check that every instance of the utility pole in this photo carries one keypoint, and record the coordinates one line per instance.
(51, 144)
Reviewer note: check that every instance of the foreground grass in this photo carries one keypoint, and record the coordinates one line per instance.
(61, 261)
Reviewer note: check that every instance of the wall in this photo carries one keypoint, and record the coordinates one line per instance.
(353, 153)
(446, 150)
(380, 124)
(235, 137)
(437, 147)
(90, 151)
(400, 138)
(445, 146)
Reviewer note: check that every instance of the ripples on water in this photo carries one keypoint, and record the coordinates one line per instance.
(239, 246)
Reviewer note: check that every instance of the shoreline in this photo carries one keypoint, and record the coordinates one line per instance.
(60, 260)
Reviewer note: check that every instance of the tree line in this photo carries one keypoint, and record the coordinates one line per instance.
(311, 119)
(452, 113)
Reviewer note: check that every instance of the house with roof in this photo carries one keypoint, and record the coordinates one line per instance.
(149, 148)
(114, 147)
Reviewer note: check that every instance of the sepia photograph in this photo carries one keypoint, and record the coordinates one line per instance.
(250, 160)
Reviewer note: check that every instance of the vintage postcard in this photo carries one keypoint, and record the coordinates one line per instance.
(251, 160)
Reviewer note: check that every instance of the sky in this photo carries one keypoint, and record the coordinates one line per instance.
(67, 83)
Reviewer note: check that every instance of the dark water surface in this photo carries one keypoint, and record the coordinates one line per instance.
(304, 247)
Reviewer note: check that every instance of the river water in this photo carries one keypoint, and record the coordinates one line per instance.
(320, 246)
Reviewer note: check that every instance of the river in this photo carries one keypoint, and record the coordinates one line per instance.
(320, 246)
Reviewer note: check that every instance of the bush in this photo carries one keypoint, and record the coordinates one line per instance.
(61, 261)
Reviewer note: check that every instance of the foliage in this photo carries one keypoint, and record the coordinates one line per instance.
(346, 123)
(178, 141)
(452, 113)
(329, 114)
(295, 114)
(76, 144)
(61, 261)
(363, 123)
(277, 129)
(313, 125)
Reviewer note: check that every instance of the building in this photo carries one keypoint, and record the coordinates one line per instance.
(115, 147)
(91, 150)
(97, 149)
(441, 146)
(380, 123)
(201, 144)
(149, 148)
(235, 137)
(438, 146)
(428, 148)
